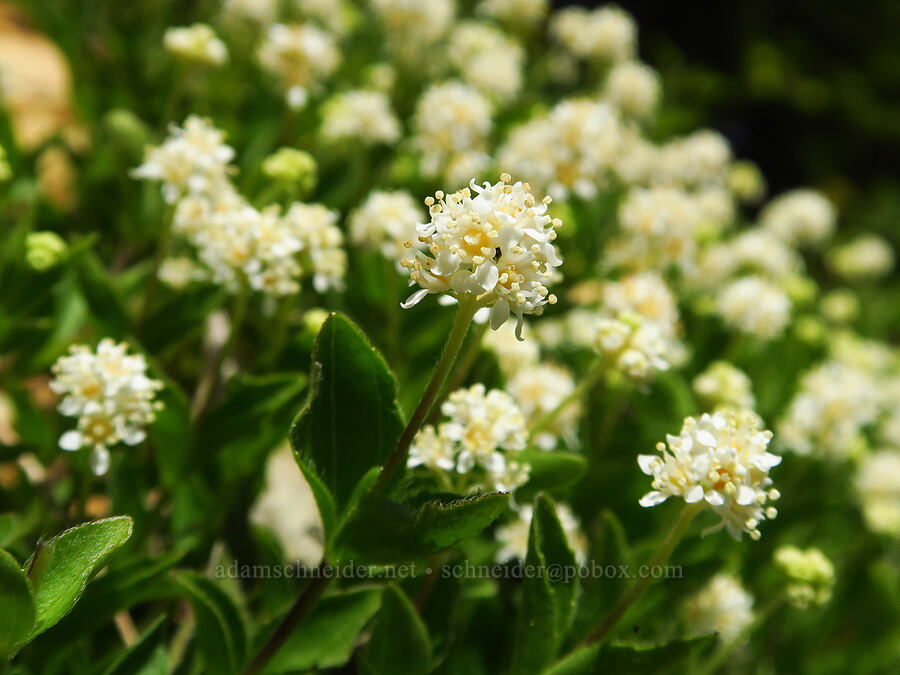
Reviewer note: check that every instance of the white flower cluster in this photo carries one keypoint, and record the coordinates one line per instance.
(539, 390)
(753, 251)
(828, 415)
(387, 221)
(235, 240)
(197, 43)
(755, 306)
(723, 606)
(800, 217)
(487, 59)
(485, 431)
(633, 87)
(570, 150)
(722, 385)
(866, 258)
(658, 227)
(451, 126)
(513, 536)
(698, 159)
(721, 459)
(301, 56)
(637, 329)
(605, 34)
(491, 242)
(360, 116)
(109, 392)
(262, 12)
(194, 160)
(878, 487)
(810, 575)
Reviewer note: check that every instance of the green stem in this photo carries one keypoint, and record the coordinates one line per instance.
(466, 311)
(295, 616)
(466, 361)
(210, 380)
(282, 321)
(593, 375)
(631, 596)
(162, 250)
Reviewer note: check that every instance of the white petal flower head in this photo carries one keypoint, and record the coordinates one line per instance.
(193, 160)
(515, 13)
(538, 391)
(867, 257)
(110, 394)
(722, 384)
(493, 243)
(387, 221)
(362, 116)
(633, 87)
(878, 487)
(755, 306)
(488, 59)
(197, 43)
(721, 460)
(605, 34)
(800, 217)
(302, 56)
(723, 606)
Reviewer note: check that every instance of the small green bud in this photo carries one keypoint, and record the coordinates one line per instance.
(292, 167)
(44, 250)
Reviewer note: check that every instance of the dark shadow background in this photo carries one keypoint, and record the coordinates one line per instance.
(808, 89)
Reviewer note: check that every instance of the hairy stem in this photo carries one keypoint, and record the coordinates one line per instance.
(466, 311)
(637, 590)
(295, 616)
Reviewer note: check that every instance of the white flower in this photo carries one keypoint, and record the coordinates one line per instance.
(179, 272)
(723, 385)
(513, 536)
(878, 486)
(633, 87)
(196, 43)
(194, 160)
(810, 575)
(755, 251)
(605, 34)
(827, 416)
(755, 306)
(387, 221)
(451, 119)
(571, 150)
(632, 346)
(722, 606)
(322, 240)
(487, 59)
(359, 115)
(721, 459)
(109, 392)
(539, 390)
(865, 258)
(658, 226)
(302, 56)
(646, 294)
(259, 11)
(800, 217)
(492, 242)
(484, 430)
(702, 158)
(286, 507)
(514, 13)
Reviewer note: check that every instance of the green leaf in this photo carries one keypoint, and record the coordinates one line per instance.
(324, 501)
(547, 601)
(144, 655)
(400, 642)
(633, 658)
(381, 530)
(61, 567)
(329, 634)
(250, 422)
(16, 607)
(549, 471)
(351, 421)
(105, 305)
(221, 635)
